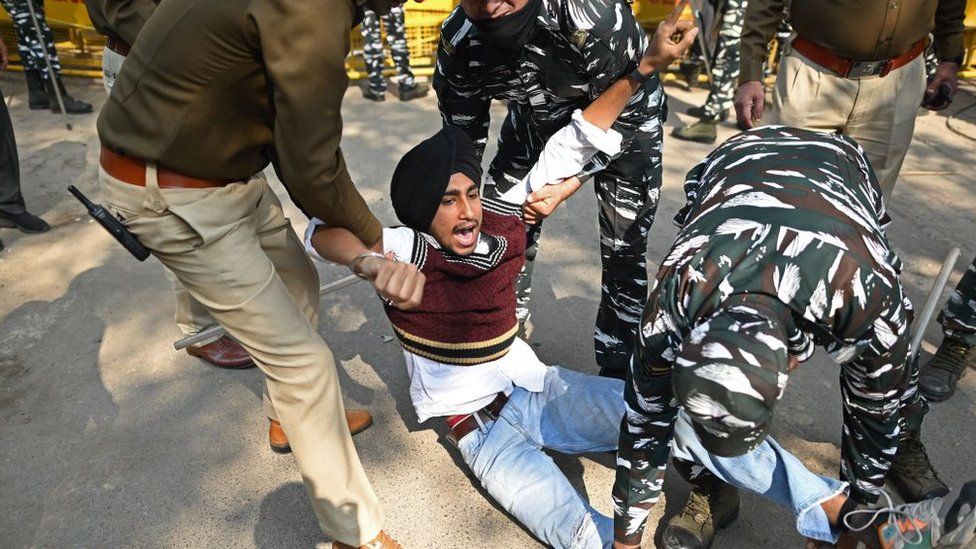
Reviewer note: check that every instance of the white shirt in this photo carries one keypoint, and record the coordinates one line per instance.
(438, 389)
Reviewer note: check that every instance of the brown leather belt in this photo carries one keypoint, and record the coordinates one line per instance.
(118, 45)
(849, 68)
(132, 171)
(462, 425)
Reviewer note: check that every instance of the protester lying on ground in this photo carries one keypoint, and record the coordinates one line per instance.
(957, 352)
(466, 364)
(502, 406)
(781, 247)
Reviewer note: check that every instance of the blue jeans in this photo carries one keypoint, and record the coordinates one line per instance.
(770, 471)
(574, 413)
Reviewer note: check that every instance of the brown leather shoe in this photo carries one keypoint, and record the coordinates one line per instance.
(223, 353)
(277, 438)
(381, 541)
(358, 420)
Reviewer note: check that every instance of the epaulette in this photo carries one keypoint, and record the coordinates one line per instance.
(455, 28)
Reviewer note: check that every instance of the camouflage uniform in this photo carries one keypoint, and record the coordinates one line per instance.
(396, 37)
(793, 218)
(958, 319)
(578, 49)
(29, 45)
(725, 61)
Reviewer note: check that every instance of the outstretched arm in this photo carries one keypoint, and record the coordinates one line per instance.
(572, 147)
(400, 283)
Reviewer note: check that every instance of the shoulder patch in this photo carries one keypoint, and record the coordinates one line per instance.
(578, 38)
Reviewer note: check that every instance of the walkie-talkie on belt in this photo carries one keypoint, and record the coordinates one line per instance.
(112, 225)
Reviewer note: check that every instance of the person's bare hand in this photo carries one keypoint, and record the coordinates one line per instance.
(672, 38)
(945, 74)
(4, 56)
(540, 204)
(816, 544)
(749, 99)
(400, 283)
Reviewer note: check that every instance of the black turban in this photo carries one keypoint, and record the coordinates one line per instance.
(423, 174)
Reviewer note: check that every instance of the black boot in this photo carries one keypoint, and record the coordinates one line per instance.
(72, 105)
(36, 92)
(912, 473)
(26, 222)
(939, 377)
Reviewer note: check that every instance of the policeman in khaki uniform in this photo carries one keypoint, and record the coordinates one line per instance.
(120, 22)
(854, 67)
(210, 94)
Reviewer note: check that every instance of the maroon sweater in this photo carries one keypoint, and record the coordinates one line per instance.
(467, 315)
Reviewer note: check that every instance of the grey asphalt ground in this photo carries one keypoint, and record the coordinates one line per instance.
(110, 438)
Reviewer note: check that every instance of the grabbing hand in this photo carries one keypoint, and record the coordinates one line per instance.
(749, 102)
(540, 204)
(400, 283)
(672, 38)
(936, 98)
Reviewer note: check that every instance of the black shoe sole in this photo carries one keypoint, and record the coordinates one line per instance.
(6, 223)
(286, 449)
(937, 398)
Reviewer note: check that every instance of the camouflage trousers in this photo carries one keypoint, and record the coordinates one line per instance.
(29, 45)
(627, 193)
(958, 319)
(396, 37)
(725, 61)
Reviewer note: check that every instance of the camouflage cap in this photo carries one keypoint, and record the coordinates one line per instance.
(731, 371)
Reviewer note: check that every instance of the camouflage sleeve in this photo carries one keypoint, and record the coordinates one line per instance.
(612, 42)
(875, 385)
(645, 436)
(462, 102)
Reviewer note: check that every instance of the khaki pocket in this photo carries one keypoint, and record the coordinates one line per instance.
(219, 211)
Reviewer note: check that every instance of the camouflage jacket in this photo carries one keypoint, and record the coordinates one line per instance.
(578, 50)
(795, 216)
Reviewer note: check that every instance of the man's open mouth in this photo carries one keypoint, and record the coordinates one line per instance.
(466, 235)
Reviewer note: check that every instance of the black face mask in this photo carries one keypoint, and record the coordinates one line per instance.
(512, 31)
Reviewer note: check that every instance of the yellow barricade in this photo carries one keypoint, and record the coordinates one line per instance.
(80, 47)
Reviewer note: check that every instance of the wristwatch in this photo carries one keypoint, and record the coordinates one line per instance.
(958, 60)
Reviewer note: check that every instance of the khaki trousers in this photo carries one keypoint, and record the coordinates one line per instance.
(236, 254)
(878, 113)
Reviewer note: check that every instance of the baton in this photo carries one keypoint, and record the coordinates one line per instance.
(933, 300)
(50, 67)
(216, 330)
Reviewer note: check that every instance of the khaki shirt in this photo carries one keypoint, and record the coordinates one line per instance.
(123, 18)
(865, 30)
(218, 89)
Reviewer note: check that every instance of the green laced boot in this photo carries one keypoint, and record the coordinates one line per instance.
(712, 504)
(941, 374)
(702, 131)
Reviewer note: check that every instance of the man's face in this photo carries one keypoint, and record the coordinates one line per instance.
(491, 9)
(381, 7)
(457, 223)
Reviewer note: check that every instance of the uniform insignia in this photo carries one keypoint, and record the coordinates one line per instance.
(447, 45)
(578, 38)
